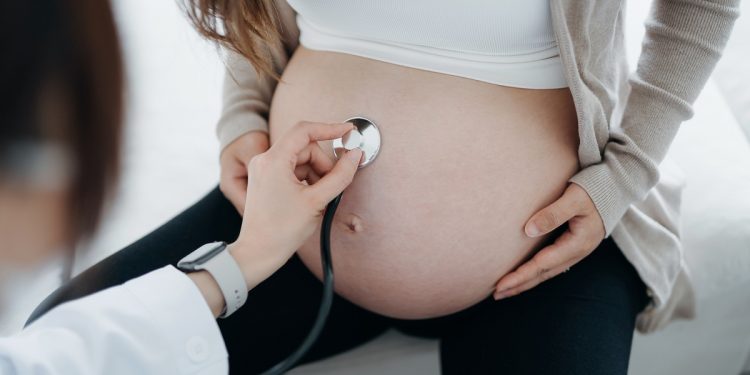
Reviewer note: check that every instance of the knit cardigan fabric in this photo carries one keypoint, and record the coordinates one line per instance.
(626, 122)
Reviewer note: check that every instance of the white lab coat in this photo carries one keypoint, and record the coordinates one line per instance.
(158, 323)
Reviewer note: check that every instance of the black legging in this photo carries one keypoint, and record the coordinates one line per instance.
(580, 322)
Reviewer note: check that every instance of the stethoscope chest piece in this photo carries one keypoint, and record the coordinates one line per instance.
(364, 136)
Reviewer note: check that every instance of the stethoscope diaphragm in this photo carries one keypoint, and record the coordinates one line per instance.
(364, 136)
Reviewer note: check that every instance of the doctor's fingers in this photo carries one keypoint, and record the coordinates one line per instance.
(306, 173)
(299, 136)
(315, 158)
(335, 181)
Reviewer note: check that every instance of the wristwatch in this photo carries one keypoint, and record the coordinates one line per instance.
(214, 258)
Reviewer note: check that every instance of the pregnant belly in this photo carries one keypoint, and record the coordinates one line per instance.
(437, 219)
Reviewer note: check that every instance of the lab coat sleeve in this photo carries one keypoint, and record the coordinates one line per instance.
(158, 323)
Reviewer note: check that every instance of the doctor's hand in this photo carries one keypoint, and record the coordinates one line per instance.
(288, 189)
(584, 233)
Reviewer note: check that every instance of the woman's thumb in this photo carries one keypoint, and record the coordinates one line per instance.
(342, 174)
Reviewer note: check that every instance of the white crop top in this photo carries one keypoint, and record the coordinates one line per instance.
(504, 42)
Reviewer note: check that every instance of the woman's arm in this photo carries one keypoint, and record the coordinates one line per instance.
(243, 126)
(246, 95)
(684, 40)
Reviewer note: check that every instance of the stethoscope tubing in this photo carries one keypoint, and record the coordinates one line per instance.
(327, 299)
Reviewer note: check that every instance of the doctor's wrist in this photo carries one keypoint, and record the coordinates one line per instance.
(210, 291)
(256, 262)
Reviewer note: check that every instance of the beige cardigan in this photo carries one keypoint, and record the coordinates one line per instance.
(625, 123)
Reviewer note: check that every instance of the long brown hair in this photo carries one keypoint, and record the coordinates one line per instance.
(248, 27)
(61, 79)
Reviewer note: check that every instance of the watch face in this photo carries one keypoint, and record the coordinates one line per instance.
(200, 256)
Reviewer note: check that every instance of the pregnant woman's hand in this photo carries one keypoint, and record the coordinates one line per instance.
(234, 160)
(584, 233)
(288, 189)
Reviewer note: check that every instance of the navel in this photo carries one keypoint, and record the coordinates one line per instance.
(353, 223)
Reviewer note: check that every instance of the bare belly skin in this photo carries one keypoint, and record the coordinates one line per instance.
(437, 219)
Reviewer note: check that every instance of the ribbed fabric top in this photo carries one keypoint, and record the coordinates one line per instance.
(503, 42)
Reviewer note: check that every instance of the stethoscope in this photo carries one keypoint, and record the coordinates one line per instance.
(366, 137)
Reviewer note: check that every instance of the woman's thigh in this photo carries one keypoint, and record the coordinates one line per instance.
(278, 314)
(580, 322)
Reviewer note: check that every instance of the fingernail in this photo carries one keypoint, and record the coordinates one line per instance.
(532, 230)
(354, 155)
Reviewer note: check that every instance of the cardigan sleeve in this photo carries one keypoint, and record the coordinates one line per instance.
(246, 95)
(684, 39)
